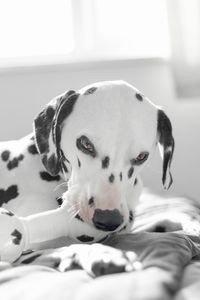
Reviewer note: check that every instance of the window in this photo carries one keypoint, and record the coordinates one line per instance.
(30, 29)
(184, 17)
(51, 30)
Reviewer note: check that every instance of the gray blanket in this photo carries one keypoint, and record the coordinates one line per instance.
(170, 260)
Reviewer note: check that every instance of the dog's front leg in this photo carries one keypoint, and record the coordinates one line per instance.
(19, 234)
(45, 226)
(49, 225)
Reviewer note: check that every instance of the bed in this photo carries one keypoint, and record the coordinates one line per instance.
(165, 237)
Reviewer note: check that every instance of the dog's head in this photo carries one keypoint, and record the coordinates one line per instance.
(103, 135)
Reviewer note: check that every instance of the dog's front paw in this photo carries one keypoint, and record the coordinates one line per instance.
(98, 260)
(107, 260)
(11, 236)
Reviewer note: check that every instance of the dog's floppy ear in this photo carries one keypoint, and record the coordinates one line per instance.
(166, 146)
(45, 130)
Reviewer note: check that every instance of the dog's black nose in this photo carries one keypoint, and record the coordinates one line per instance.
(107, 220)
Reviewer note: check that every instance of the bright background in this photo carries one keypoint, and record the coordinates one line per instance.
(49, 46)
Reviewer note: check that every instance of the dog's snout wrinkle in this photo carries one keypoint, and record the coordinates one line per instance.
(107, 220)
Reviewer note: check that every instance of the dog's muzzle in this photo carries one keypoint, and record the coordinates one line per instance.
(107, 220)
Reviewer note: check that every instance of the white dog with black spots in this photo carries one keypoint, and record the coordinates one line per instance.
(77, 174)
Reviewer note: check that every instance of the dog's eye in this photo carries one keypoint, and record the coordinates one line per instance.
(140, 158)
(84, 144)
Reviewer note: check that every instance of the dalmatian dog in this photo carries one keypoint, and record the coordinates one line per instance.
(77, 174)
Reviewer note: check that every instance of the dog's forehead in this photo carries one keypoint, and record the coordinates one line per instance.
(113, 111)
(113, 99)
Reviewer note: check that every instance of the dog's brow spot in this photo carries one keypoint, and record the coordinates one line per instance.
(91, 201)
(105, 162)
(130, 172)
(5, 155)
(32, 149)
(130, 216)
(120, 176)
(85, 238)
(79, 163)
(139, 96)
(111, 178)
(47, 177)
(90, 91)
(135, 182)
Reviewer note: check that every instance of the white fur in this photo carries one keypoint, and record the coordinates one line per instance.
(121, 127)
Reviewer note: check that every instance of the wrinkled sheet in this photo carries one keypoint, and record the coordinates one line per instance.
(171, 262)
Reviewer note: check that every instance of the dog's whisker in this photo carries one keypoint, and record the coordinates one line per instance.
(74, 213)
(60, 185)
(73, 208)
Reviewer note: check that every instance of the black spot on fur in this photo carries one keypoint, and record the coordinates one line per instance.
(160, 228)
(105, 162)
(130, 216)
(46, 176)
(31, 259)
(91, 201)
(9, 194)
(85, 238)
(139, 96)
(120, 176)
(136, 181)
(90, 91)
(12, 163)
(130, 172)
(111, 178)
(5, 155)
(20, 157)
(15, 162)
(77, 216)
(17, 237)
(60, 201)
(79, 163)
(32, 149)
(9, 213)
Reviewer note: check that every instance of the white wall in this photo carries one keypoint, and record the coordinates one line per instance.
(23, 92)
